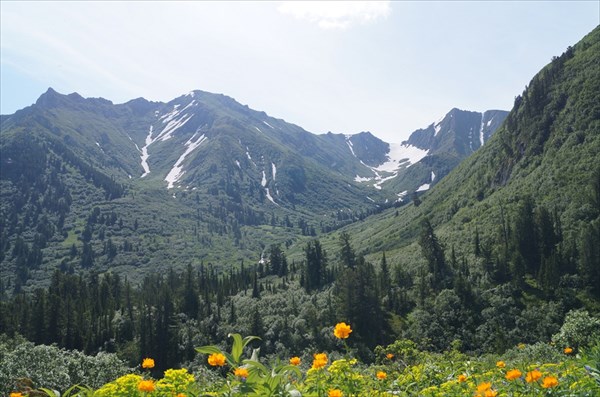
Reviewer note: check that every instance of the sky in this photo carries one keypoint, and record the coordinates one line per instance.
(344, 66)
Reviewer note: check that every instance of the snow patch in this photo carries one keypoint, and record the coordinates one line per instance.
(489, 122)
(403, 194)
(481, 131)
(258, 129)
(171, 127)
(432, 176)
(399, 155)
(238, 164)
(264, 179)
(269, 125)
(145, 154)
(350, 146)
(361, 179)
(268, 195)
(423, 187)
(176, 172)
(274, 170)
(437, 127)
(370, 199)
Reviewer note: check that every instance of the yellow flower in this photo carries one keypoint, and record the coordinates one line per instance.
(295, 361)
(533, 376)
(335, 393)
(147, 363)
(484, 386)
(241, 373)
(490, 393)
(216, 360)
(568, 350)
(549, 381)
(462, 378)
(500, 364)
(521, 346)
(180, 395)
(146, 386)
(389, 356)
(320, 360)
(16, 394)
(381, 375)
(342, 330)
(513, 374)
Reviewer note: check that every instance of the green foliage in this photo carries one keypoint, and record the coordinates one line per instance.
(578, 330)
(54, 368)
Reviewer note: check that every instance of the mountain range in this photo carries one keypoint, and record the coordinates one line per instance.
(215, 166)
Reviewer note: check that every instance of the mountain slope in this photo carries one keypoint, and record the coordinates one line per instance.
(89, 184)
(546, 151)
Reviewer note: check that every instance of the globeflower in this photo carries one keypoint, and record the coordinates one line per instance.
(16, 394)
(342, 330)
(568, 350)
(216, 360)
(241, 373)
(389, 356)
(462, 378)
(146, 386)
(500, 364)
(320, 360)
(533, 376)
(484, 386)
(381, 375)
(148, 363)
(295, 361)
(549, 382)
(513, 374)
(335, 393)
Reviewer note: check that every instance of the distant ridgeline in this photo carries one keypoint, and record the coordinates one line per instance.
(158, 227)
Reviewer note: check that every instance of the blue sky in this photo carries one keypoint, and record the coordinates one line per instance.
(345, 67)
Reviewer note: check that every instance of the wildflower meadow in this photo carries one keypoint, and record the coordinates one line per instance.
(400, 369)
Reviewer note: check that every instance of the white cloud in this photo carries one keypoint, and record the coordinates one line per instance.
(336, 14)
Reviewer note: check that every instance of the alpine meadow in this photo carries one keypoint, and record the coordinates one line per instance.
(198, 247)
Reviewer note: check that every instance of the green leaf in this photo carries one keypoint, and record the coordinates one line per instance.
(50, 392)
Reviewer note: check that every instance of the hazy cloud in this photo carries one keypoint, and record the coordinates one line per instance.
(336, 14)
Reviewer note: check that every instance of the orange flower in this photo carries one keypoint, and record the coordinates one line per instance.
(484, 386)
(462, 378)
(241, 373)
(148, 363)
(500, 364)
(295, 361)
(180, 395)
(381, 375)
(216, 360)
(490, 393)
(335, 393)
(513, 374)
(16, 394)
(342, 330)
(320, 360)
(533, 376)
(568, 350)
(549, 382)
(146, 386)
(389, 356)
